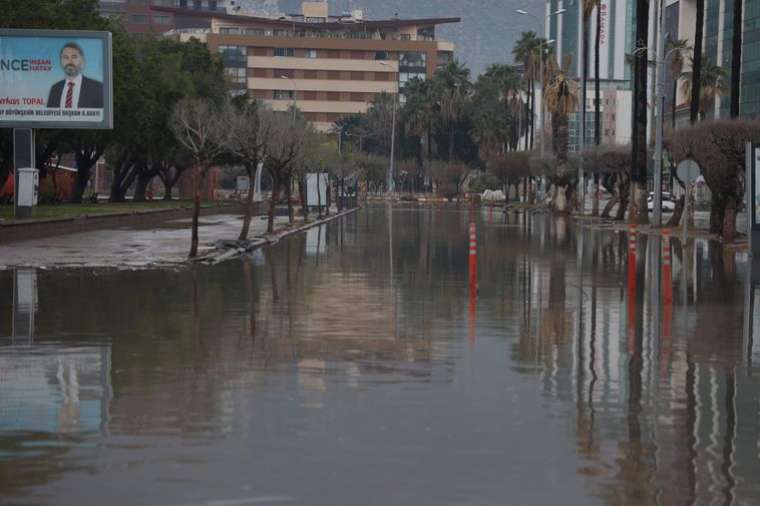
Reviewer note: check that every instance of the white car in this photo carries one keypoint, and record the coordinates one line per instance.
(667, 204)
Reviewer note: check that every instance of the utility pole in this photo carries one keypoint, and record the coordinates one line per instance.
(660, 109)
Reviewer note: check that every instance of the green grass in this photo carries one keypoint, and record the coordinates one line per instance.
(76, 210)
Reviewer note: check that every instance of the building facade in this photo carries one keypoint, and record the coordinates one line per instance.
(616, 41)
(718, 50)
(327, 66)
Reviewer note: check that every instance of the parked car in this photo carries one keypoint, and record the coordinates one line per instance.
(667, 204)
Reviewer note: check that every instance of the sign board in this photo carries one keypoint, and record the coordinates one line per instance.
(314, 199)
(752, 185)
(243, 183)
(55, 79)
(688, 170)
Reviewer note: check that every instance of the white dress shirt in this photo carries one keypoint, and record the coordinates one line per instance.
(77, 88)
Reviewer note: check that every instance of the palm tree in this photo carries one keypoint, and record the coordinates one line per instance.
(418, 113)
(676, 48)
(508, 80)
(736, 59)
(712, 86)
(588, 9)
(526, 51)
(638, 203)
(696, 65)
(452, 87)
(561, 100)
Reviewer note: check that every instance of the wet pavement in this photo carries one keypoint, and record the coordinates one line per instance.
(353, 365)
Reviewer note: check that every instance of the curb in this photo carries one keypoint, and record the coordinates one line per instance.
(222, 254)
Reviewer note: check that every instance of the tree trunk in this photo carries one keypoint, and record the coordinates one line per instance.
(248, 211)
(728, 229)
(273, 203)
(736, 60)
(451, 142)
(638, 204)
(608, 207)
(302, 195)
(289, 195)
(675, 219)
(560, 199)
(168, 187)
(696, 70)
(197, 183)
(141, 187)
(675, 98)
(531, 110)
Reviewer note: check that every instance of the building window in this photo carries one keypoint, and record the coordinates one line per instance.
(197, 5)
(283, 51)
(381, 55)
(233, 56)
(357, 97)
(162, 20)
(139, 19)
(309, 53)
(283, 94)
(212, 5)
(229, 30)
(314, 20)
(237, 75)
(258, 32)
(183, 4)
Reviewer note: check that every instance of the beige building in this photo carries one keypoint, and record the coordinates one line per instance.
(329, 66)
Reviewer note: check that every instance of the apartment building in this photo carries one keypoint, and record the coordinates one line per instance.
(328, 66)
(138, 15)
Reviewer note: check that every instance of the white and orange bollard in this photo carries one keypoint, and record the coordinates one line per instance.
(473, 278)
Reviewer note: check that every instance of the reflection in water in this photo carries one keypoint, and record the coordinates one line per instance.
(340, 367)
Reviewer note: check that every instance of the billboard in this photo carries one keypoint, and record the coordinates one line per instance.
(754, 185)
(55, 79)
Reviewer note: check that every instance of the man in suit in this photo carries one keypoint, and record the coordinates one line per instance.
(76, 90)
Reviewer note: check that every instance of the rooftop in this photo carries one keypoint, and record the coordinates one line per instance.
(329, 23)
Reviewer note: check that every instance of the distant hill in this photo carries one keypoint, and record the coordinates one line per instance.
(485, 35)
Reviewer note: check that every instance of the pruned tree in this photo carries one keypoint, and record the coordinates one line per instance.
(284, 150)
(246, 131)
(719, 149)
(195, 124)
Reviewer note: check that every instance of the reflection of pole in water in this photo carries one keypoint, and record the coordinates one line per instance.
(631, 285)
(473, 284)
(667, 302)
(24, 306)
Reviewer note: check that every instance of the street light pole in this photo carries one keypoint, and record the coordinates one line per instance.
(389, 177)
(660, 88)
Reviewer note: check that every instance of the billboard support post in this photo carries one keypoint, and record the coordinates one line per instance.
(25, 173)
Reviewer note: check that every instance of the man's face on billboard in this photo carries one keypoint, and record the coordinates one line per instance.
(71, 62)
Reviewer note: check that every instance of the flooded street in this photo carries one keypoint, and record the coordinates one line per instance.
(350, 365)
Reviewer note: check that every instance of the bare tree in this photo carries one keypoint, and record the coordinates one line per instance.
(284, 152)
(247, 131)
(196, 124)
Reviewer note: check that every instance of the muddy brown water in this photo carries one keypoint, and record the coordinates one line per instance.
(350, 365)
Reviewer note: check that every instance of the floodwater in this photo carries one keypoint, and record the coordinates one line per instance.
(354, 365)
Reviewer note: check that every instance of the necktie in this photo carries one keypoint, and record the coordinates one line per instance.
(69, 95)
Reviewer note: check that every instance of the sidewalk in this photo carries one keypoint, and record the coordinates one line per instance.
(131, 248)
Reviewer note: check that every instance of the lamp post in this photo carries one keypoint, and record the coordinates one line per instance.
(389, 179)
(295, 95)
(541, 44)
